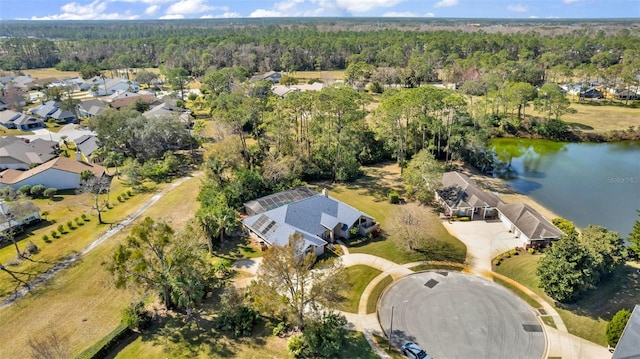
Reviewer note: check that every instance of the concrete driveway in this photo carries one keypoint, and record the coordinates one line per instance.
(456, 315)
(484, 240)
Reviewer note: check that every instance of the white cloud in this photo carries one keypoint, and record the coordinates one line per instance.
(92, 11)
(446, 3)
(152, 9)
(366, 5)
(226, 15)
(184, 7)
(171, 17)
(570, 1)
(533, 17)
(517, 8)
(148, 2)
(291, 9)
(406, 14)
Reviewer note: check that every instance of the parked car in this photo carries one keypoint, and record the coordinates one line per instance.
(413, 351)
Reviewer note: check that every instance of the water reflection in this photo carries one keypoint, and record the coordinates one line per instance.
(588, 183)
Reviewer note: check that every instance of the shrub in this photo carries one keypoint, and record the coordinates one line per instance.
(31, 248)
(50, 192)
(37, 191)
(120, 199)
(506, 255)
(531, 250)
(393, 197)
(24, 190)
(45, 238)
(129, 193)
(135, 316)
(79, 221)
(84, 217)
(54, 234)
(616, 326)
(353, 231)
(61, 229)
(513, 252)
(70, 226)
(296, 346)
(234, 316)
(280, 329)
(497, 261)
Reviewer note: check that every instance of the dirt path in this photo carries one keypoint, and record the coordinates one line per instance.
(108, 234)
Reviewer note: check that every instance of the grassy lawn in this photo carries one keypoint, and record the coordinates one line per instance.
(532, 302)
(358, 277)
(50, 72)
(598, 118)
(66, 207)
(372, 303)
(369, 195)
(81, 303)
(587, 318)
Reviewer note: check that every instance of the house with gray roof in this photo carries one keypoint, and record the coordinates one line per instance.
(628, 346)
(20, 121)
(460, 196)
(15, 215)
(528, 224)
(165, 109)
(90, 108)
(52, 110)
(110, 86)
(16, 153)
(318, 218)
(271, 76)
(87, 145)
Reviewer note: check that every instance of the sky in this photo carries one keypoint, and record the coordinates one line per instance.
(192, 9)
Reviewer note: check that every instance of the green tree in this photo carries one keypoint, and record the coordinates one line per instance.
(566, 226)
(178, 78)
(215, 216)
(634, 238)
(606, 248)
(567, 270)
(98, 189)
(146, 77)
(616, 326)
(288, 285)
(156, 259)
(422, 177)
(324, 336)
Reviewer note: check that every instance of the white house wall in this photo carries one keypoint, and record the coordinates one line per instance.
(52, 178)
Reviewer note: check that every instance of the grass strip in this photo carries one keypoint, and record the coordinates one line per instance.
(376, 292)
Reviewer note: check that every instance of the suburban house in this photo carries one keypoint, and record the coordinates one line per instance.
(20, 154)
(87, 146)
(16, 214)
(90, 108)
(165, 109)
(20, 121)
(626, 94)
(318, 218)
(592, 93)
(110, 86)
(271, 75)
(627, 346)
(52, 110)
(60, 173)
(123, 98)
(282, 90)
(528, 224)
(461, 197)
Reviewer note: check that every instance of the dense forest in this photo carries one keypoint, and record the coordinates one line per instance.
(322, 44)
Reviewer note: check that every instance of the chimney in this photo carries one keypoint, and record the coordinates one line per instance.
(325, 192)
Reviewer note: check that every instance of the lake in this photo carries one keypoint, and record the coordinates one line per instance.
(587, 183)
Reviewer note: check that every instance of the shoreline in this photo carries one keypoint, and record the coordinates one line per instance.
(507, 194)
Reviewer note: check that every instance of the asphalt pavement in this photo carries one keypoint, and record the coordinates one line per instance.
(456, 315)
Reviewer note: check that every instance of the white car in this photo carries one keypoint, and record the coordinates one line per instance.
(413, 351)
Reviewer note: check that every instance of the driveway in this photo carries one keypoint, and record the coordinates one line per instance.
(484, 241)
(456, 315)
(72, 132)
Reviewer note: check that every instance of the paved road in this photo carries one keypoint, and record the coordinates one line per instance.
(456, 315)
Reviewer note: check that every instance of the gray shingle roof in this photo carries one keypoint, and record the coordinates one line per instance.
(629, 344)
(529, 221)
(459, 191)
(310, 216)
(87, 144)
(275, 200)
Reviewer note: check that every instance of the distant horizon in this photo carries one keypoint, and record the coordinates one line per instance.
(15, 10)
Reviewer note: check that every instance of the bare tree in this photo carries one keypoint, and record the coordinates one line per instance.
(12, 215)
(50, 346)
(98, 189)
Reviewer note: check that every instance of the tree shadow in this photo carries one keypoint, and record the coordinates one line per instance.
(579, 126)
(621, 290)
(398, 337)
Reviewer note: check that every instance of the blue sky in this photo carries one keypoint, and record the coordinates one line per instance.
(189, 9)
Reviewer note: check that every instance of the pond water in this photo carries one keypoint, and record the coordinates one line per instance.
(587, 183)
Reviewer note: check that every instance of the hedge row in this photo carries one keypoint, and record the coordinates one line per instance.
(104, 347)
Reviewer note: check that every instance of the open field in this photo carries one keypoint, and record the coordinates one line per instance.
(81, 303)
(588, 317)
(326, 77)
(50, 72)
(593, 117)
